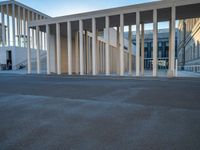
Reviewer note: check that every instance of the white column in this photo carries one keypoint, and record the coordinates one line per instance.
(29, 51)
(97, 53)
(76, 53)
(69, 41)
(85, 53)
(142, 50)
(38, 49)
(48, 49)
(29, 46)
(3, 26)
(130, 48)
(58, 48)
(18, 27)
(33, 33)
(118, 50)
(94, 41)
(45, 43)
(155, 45)
(28, 20)
(41, 41)
(137, 43)
(8, 24)
(24, 19)
(121, 45)
(172, 41)
(107, 45)
(81, 46)
(13, 23)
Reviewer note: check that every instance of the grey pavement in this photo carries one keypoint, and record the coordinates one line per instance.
(98, 113)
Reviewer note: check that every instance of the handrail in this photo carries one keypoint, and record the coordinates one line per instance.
(24, 63)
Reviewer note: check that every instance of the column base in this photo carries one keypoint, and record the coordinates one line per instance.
(170, 74)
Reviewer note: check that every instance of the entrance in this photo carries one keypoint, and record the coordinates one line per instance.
(9, 60)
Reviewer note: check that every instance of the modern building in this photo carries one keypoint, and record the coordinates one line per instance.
(92, 43)
(67, 51)
(163, 48)
(189, 45)
(14, 18)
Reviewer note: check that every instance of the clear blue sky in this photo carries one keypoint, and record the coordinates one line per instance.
(65, 7)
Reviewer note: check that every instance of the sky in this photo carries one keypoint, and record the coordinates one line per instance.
(56, 8)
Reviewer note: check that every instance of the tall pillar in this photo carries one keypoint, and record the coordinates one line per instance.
(3, 26)
(81, 46)
(121, 45)
(48, 49)
(38, 50)
(76, 53)
(29, 46)
(118, 49)
(107, 45)
(45, 43)
(69, 41)
(29, 51)
(171, 72)
(13, 23)
(8, 23)
(24, 19)
(130, 49)
(155, 41)
(169, 50)
(18, 27)
(85, 53)
(138, 43)
(94, 41)
(28, 20)
(142, 50)
(33, 32)
(97, 53)
(41, 40)
(58, 48)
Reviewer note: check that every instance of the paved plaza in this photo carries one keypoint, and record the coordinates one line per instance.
(98, 113)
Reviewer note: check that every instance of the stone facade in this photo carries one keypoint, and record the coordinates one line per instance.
(189, 44)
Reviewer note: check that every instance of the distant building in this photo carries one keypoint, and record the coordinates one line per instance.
(188, 45)
(163, 48)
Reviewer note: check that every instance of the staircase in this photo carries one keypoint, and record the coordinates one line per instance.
(23, 65)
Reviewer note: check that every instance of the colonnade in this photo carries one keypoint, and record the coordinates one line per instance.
(14, 27)
(96, 45)
(14, 21)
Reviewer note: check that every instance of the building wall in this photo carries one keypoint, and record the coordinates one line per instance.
(163, 48)
(189, 44)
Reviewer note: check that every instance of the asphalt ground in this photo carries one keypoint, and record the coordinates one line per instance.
(99, 113)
